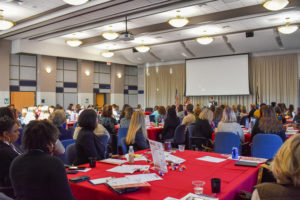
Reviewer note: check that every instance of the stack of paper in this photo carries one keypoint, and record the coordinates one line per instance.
(100, 180)
(174, 159)
(129, 168)
(113, 161)
(144, 177)
(192, 196)
(211, 159)
(84, 170)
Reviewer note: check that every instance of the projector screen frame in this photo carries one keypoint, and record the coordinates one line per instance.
(226, 55)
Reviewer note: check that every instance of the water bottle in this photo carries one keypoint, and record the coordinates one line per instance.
(131, 155)
(235, 153)
(247, 123)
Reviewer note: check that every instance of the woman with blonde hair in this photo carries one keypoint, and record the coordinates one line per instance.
(286, 170)
(202, 126)
(197, 111)
(136, 135)
(229, 124)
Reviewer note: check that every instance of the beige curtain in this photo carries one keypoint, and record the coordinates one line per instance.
(275, 77)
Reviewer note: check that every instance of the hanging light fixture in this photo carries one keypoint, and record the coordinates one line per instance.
(142, 48)
(178, 21)
(107, 54)
(288, 28)
(275, 4)
(4, 23)
(76, 2)
(74, 42)
(110, 35)
(205, 40)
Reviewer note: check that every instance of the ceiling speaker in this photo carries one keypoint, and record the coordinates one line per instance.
(249, 34)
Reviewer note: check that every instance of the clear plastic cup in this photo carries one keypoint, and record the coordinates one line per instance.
(181, 147)
(198, 187)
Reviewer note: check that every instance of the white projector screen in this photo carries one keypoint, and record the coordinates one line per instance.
(226, 75)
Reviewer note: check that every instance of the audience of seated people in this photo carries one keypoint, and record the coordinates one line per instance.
(91, 125)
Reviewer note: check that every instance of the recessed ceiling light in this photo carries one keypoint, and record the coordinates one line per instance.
(275, 4)
(76, 2)
(4, 23)
(178, 21)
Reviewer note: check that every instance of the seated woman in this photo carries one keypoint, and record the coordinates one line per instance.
(202, 126)
(58, 118)
(136, 135)
(285, 168)
(197, 111)
(9, 133)
(37, 174)
(180, 112)
(122, 114)
(125, 121)
(170, 125)
(217, 115)
(228, 123)
(107, 119)
(268, 123)
(296, 119)
(87, 143)
(162, 114)
(290, 112)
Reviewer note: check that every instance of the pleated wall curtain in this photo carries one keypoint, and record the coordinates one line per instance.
(276, 77)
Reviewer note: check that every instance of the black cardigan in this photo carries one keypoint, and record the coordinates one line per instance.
(88, 145)
(7, 154)
(37, 175)
(202, 128)
(169, 128)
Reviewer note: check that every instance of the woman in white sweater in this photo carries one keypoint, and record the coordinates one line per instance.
(229, 124)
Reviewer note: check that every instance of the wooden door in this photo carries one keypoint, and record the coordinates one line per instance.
(100, 99)
(22, 99)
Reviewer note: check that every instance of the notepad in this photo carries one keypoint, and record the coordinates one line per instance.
(113, 161)
(144, 177)
(129, 168)
(100, 180)
(174, 159)
(211, 159)
(192, 196)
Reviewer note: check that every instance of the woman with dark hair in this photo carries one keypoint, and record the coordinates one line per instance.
(202, 125)
(172, 121)
(269, 124)
(162, 114)
(290, 111)
(87, 143)
(280, 115)
(9, 133)
(125, 122)
(122, 115)
(180, 112)
(217, 115)
(5, 111)
(296, 119)
(37, 174)
(107, 120)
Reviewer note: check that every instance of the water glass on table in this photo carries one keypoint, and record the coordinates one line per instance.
(181, 147)
(92, 162)
(216, 185)
(198, 187)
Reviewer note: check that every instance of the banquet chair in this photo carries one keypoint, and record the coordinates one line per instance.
(198, 143)
(70, 154)
(148, 109)
(243, 120)
(4, 197)
(152, 118)
(225, 141)
(104, 140)
(122, 133)
(179, 135)
(265, 145)
(67, 142)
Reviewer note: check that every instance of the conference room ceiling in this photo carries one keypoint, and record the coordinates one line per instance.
(53, 22)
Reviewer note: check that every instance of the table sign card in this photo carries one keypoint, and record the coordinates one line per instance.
(158, 155)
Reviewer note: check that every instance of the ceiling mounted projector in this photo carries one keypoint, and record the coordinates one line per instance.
(126, 36)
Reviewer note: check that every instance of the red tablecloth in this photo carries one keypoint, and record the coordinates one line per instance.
(152, 132)
(70, 124)
(175, 183)
(148, 113)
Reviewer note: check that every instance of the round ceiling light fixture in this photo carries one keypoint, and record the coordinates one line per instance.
(76, 2)
(142, 48)
(288, 28)
(275, 4)
(110, 35)
(178, 21)
(4, 23)
(74, 42)
(107, 54)
(205, 40)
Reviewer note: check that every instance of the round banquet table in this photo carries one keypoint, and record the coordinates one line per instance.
(148, 113)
